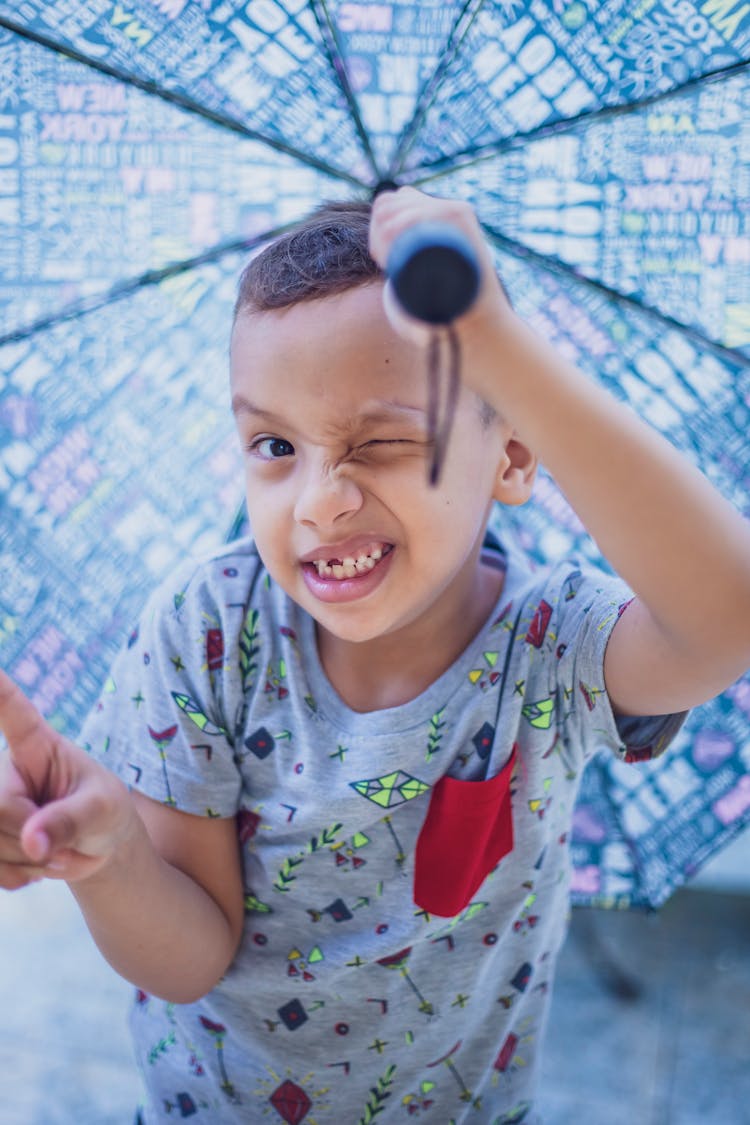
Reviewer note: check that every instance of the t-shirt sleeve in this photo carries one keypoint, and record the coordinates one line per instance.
(161, 722)
(589, 606)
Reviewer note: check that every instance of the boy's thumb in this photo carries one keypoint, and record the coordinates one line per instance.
(51, 828)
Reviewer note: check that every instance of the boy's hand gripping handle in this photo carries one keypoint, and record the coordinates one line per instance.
(434, 272)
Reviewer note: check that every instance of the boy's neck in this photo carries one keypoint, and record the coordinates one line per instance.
(391, 670)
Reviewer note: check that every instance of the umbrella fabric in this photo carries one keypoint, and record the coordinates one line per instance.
(147, 146)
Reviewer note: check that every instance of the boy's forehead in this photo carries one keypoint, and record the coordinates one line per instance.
(355, 358)
(351, 321)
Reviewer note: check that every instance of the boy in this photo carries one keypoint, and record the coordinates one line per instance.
(338, 878)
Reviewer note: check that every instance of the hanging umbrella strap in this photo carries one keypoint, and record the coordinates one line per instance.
(434, 272)
(439, 420)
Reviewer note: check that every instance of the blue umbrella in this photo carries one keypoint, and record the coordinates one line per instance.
(147, 147)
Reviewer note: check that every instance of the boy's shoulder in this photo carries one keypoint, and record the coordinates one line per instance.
(568, 583)
(220, 589)
(234, 566)
(559, 616)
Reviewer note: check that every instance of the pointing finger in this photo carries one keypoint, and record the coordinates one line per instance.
(24, 728)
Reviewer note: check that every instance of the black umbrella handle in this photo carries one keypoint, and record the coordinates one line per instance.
(434, 272)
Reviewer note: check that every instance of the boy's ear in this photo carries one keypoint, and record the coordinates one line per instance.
(516, 473)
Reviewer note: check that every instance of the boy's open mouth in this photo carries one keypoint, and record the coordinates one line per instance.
(351, 567)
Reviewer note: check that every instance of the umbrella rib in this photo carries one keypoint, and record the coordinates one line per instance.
(447, 164)
(561, 269)
(174, 97)
(428, 93)
(130, 286)
(335, 56)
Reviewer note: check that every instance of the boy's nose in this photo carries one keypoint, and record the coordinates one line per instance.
(327, 494)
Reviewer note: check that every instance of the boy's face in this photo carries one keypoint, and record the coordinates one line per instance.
(331, 410)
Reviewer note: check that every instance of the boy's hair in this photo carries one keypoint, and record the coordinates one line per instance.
(325, 254)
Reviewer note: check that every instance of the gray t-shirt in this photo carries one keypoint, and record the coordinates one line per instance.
(406, 871)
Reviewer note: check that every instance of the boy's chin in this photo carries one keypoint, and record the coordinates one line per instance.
(345, 632)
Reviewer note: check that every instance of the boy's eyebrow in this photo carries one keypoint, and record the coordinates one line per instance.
(390, 412)
(372, 413)
(242, 405)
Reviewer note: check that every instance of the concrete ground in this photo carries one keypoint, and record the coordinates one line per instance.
(650, 1020)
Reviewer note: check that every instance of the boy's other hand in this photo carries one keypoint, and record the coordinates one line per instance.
(394, 212)
(62, 814)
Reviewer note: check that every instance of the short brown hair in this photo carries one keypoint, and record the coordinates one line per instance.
(325, 254)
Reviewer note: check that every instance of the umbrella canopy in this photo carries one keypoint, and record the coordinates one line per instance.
(147, 146)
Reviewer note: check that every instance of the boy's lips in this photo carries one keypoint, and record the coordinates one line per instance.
(347, 571)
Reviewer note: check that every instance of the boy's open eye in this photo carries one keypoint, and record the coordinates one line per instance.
(271, 448)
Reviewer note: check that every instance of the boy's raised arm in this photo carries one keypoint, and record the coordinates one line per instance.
(671, 536)
(676, 541)
(161, 891)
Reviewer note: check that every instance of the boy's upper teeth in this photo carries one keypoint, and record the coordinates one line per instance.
(349, 566)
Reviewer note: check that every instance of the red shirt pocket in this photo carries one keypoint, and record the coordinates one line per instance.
(467, 831)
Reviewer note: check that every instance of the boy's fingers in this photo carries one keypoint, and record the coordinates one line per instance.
(82, 821)
(393, 212)
(15, 810)
(13, 876)
(11, 850)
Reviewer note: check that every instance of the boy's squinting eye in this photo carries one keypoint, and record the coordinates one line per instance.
(387, 444)
(386, 441)
(271, 448)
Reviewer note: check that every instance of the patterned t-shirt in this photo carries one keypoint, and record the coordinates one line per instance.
(406, 871)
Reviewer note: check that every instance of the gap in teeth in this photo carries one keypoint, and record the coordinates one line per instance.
(349, 567)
